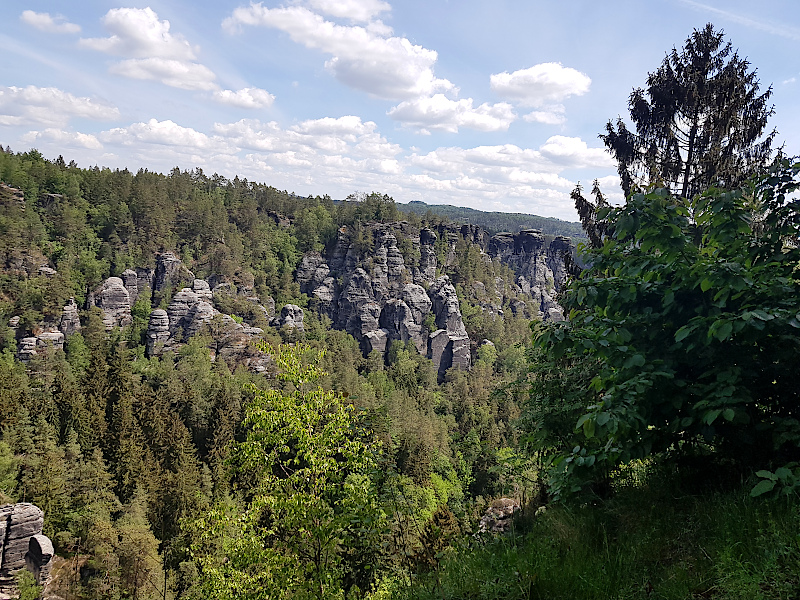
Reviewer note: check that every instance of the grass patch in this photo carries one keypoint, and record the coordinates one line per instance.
(643, 543)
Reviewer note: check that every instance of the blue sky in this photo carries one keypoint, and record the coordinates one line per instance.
(493, 105)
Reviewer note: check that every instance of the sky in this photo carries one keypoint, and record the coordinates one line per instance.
(491, 105)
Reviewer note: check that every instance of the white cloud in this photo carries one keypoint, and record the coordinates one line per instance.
(48, 23)
(63, 138)
(541, 84)
(151, 50)
(362, 58)
(555, 116)
(49, 106)
(167, 133)
(573, 152)
(439, 112)
(355, 10)
(138, 33)
(245, 98)
(174, 73)
(315, 139)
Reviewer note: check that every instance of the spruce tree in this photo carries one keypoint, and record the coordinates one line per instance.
(698, 123)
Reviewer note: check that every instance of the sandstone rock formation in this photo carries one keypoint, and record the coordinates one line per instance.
(291, 316)
(70, 321)
(191, 312)
(368, 290)
(115, 302)
(22, 545)
(157, 332)
(29, 347)
(170, 272)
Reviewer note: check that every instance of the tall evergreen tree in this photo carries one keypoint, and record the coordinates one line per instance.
(698, 123)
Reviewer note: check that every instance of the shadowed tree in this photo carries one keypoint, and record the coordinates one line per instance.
(698, 123)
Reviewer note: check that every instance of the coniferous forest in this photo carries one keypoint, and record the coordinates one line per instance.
(626, 427)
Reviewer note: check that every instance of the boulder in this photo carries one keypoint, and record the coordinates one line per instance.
(499, 517)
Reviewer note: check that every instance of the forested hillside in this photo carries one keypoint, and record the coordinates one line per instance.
(128, 450)
(495, 222)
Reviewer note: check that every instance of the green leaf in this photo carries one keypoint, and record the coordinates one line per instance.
(637, 360)
(723, 332)
(705, 285)
(728, 414)
(762, 487)
(684, 332)
(711, 416)
(767, 475)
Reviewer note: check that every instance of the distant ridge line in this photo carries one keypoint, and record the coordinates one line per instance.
(496, 222)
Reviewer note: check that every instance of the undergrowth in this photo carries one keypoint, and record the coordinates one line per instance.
(647, 541)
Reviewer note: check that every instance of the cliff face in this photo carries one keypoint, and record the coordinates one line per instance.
(370, 288)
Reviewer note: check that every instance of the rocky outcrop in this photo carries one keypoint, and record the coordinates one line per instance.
(70, 321)
(291, 316)
(449, 345)
(28, 347)
(115, 302)
(170, 273)
(191, 312)
(178, 309)
(202, 289)
(22, 545)
(157, 332)
(397, 319)
(426, 271)
(368, 290)
(131, 282)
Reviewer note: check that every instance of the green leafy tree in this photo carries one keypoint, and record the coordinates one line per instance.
(691, 313)
(306, 464)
